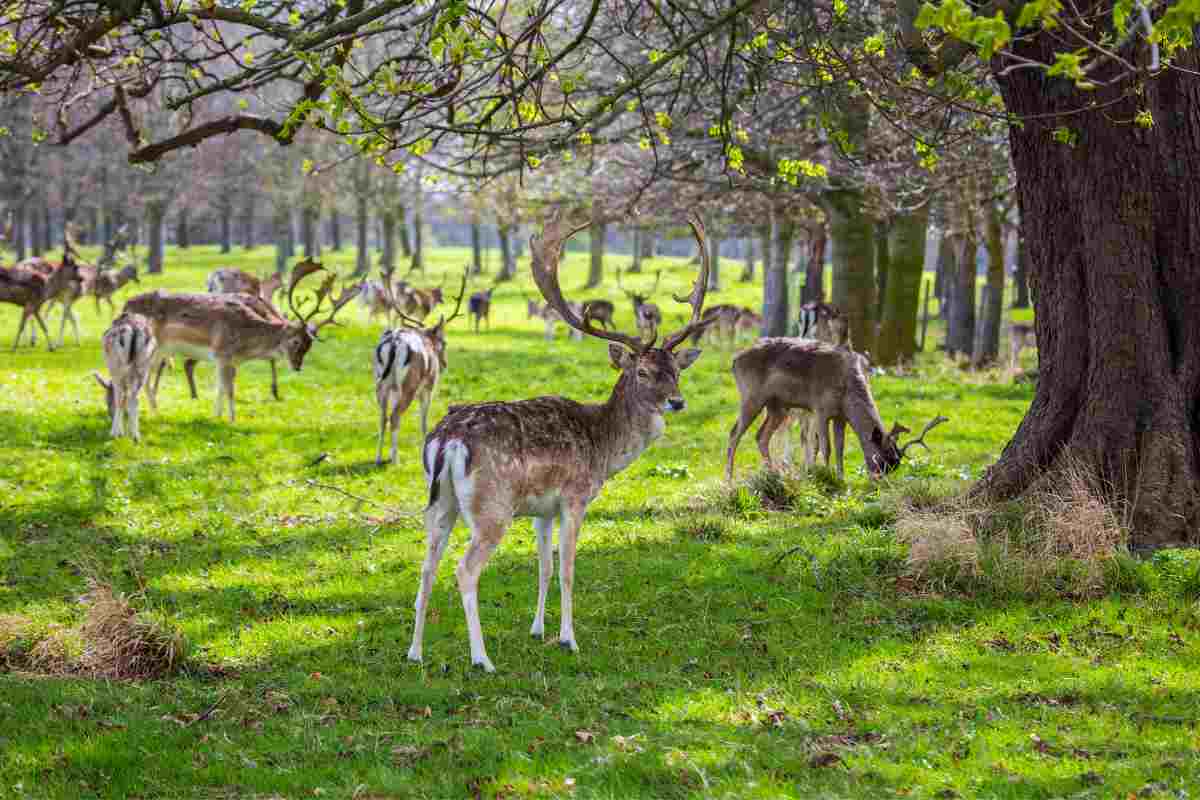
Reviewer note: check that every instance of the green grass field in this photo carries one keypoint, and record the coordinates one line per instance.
(726, 650)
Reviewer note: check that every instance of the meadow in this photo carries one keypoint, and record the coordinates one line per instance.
(727, 647)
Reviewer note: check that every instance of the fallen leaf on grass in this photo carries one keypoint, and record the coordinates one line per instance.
(585, 737)
(827, 759)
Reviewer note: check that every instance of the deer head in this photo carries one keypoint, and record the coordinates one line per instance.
(437, 333)
(302, 333)
(649, 374)
(891, 452)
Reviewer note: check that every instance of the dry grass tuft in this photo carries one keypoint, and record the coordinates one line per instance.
(937, 540)
(122, 644)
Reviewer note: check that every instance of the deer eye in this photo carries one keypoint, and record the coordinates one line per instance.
(643, 373)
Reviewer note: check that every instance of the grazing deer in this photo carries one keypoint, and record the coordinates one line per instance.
(233, 328)
(408, 364)
(128, 351)
(546, 458)
(779, 374)
(825, 323)
(31, 290)
(600, 312)
(1019, 335)
(725, 318)
(65, 293)
(536, 310)
(108, 281)
(647, 315)
(378, 300)
(480, 307)
(230, 280)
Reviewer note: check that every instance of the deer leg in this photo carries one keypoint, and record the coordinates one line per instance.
(822, 435)
(131, 404)
(398, 408)
(746, 416)
(439, 521)
(189, 369)
(775, 418)
(152, 381)
(839, 444)
(485, 536)
(117, 428)
(568, 534)
(274, 380)
(20, 330)
(544, 528)
(37, 316)
(381, 400)
(785, 430)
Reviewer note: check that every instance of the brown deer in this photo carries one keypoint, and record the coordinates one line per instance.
(377, 298)
(647, 315)
(480, 307)
(230, 280)
(825, 323)
(65, 293)
(408, 364)
(546, 458)
(779, 374)
(601, 312)
(725, 318)
(536, 310)
(233, 328)
(128, 351)
(417, 303)
(31, 290)
(108, 281)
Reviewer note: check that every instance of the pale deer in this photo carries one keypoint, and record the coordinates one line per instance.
(480, 307)
(545, 458)
(65, 293)
(232, 328)
(1019, 335)
(417, 303)
(108, 281)
(408, 363)
(725, 318)
(647, 315)
(779, 374)
(128, 352)
(377, 298)
(536, 310)
(31, 290)
(230, 280)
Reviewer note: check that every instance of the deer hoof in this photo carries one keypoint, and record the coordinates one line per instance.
(485, 665)
(414, 655)
(568, 645)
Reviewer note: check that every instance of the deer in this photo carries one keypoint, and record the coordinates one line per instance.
(408, 363)
(129, 347)
(600, 311)
(547, 457)
(234, 328)
(647, 315)
(1020, 334)
(108, 281)
(725, 318)
(378, 300)
(779, 374)
(536, 310)
(66, 293)
(748, 321)
(32, 289)
(825, 323)
(416, 302)
(480, 307)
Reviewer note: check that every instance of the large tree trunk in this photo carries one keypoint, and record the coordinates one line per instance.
(961, 336)
(508, 264)
(598, 232)
(814, 268)
(853, 235)
(20, 227)
(776, 320)
(1113, 228)
(156, 214)
(310, 231)
(35, 230)
(362, 226)
(897, 341)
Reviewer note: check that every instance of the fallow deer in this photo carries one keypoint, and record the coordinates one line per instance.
(647, 315)
(230, 280)
(547, 457)
(128, 351)
(377, 298)
(1019, 335)
(64, 293)
(725, 318)
(749, 322)
(779, 374)
(108, 281)
(825, 323)
(480, 307)
(536, 310)
(233, 328)
(417, 303)
(600, 312)
(408, 364)
(31, 290)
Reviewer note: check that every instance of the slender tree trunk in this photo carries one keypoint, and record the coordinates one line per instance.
(289, 233)
(476, 248)
(19, 231)
(814, 277)
(418, 253)
(636, 266)
(183, 232)
(882, 267)
(47, 229)
(853, 235)
(647, 241)
(362, 225)
(747, 275)
(1021, 274)
(897, 342)
(942, 282)
(961, 337)
(156, 220)
(714, 258)
(598, 232)
(387, 262)
(401, 223)
(508, 265)
(35, 230)
(226, 226)
(987, 343)
(335, 230)
(283, 238)
(248, 209)
(776, 320)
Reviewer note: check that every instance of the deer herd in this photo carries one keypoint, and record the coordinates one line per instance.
(545, 458)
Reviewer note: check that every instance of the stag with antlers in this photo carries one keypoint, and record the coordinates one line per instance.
(32, 289)
(780, 374)
(230, 280)
(408, 363)
(647, 315)
(545, 458)
(234, 328)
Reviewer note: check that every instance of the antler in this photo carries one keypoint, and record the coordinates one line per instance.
(696, 298)
(302, 271)
(545, 249)
(933, 423)
(462, 289)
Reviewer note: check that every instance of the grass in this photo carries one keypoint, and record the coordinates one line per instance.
(727, 649)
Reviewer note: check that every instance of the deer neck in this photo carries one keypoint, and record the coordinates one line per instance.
(863, 416)
(627, 426)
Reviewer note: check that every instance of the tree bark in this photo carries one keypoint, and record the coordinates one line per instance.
(961, 336)
(156, 217)
(598, 232)
(387, 263)
(636, 234)
(1021, 274)
(401, 225)
(19, 231)
(987, 340)
(362, 225)
(747, 275)
(508, 264)
(283, 238)
(476, 248)
(310, 231)
(882, 266)
(248, 238)
(335, 230)
(47, 229)
(418, 252)
(1113, 227)
(714, 258)
(35, 230)
(226, 226)
(897, 343)
(942, 281)
(776, 320)
(814, 267)
(183, 231)
(853, 235)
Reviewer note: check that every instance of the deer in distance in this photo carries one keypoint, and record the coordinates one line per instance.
(108, 281)
(128, 352)
(408, 363)
(647, 315)
(780, 374)
(545, 458)
(233, 328)
(31, 290)
(480, 307)
(536, 310)
(63, 292)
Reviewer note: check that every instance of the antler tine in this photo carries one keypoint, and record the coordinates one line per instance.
(299, 273)
(933, 423)
(545, 250)
(346, 295)
(457, 301)
(696, 298)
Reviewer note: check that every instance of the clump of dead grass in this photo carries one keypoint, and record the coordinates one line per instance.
(1064, 537)
(115, 641)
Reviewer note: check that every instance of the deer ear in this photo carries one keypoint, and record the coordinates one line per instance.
(619, 356)
(686, 358)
